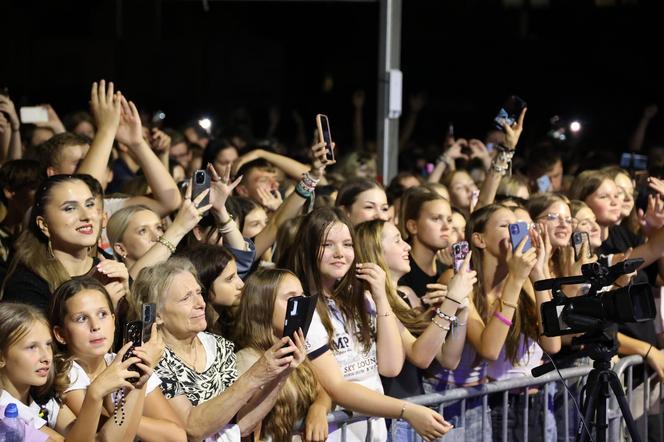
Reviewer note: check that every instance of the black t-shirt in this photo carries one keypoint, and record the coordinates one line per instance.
(407, 383)
(417, 280)
(27, 287)
(619, 240)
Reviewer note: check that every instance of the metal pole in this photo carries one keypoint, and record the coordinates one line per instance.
(389, 63)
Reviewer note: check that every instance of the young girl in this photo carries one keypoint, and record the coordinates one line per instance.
(27, 378)
(504, 325)
(259, 325)
(363, 199)
(425, 222)
(84, 325)
(425, 336)
(355, 336)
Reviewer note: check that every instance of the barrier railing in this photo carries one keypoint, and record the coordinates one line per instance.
(624, 368)
(639, 398)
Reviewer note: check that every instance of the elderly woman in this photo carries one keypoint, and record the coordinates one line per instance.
(198, 370)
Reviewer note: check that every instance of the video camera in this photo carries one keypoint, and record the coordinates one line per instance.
(595, 310)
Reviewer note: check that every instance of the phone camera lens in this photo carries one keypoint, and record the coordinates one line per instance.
(200, 177)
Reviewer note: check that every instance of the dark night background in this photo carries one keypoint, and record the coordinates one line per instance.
(598, 64)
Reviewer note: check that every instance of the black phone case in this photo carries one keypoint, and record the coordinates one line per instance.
(200, 185)
(149, 313)
(326, 135)
(299, 311)
(134, 334)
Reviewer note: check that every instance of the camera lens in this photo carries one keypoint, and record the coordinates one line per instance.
(200, 177)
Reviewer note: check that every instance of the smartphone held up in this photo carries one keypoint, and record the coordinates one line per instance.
(509, 113)
(325, 136)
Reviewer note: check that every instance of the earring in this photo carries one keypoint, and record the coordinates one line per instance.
(50, 249)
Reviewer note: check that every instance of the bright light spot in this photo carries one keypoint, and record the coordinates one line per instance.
(575, 126)
(205, 123)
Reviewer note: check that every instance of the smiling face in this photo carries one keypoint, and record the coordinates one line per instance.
(27, 361)
(369, 205)
(395, 250)
(289, 287)
(337, 253)
(88, 328)
(558, 221)
(143, 230)
(183, 310)
(606, 203)
(71, 217)
(227, 287)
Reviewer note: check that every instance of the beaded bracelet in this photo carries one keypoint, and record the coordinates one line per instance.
(166, 243)
(223, 223)
(119, 407)
(227, 227)
(503, 319)
(440, 326)
(442, 315)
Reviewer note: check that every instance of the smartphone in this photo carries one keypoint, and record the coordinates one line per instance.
(578, 238)
(325, 136)
(148, 315)
(518, 231)
(544, 184)
(133, 332)
(510, 112)
(299, 311)
(459, 252)
(201, 182)
(33, 114)
(633, 161)
(474, 198)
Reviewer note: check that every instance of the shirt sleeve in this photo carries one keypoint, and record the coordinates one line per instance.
(78, 378)
(170, 386)
(244, 259)
(316, 342)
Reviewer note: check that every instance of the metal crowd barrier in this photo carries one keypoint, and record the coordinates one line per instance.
(616, 432)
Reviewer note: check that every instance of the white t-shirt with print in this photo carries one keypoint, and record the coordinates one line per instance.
(355, 364)
(79, 379)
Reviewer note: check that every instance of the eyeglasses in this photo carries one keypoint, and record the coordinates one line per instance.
(553, 217)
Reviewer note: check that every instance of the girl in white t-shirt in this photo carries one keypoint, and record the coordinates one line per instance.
(355, 336)
(27, 379)
(84, 325)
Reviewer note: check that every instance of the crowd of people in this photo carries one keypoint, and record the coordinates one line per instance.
(100, 217)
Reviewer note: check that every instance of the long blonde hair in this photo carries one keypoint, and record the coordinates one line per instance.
(16, 320)
(369, 235)
(253, 330)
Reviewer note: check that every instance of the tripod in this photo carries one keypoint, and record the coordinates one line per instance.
(600, 346)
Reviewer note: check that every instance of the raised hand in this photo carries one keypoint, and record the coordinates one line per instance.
(461, 285)
(160, 141)
(53, 122)
(319, 159)
(105, 106)
(276, 359)
(299, 354)
(268, 199)
(114, 376)
(520, 263)
(513, 132)
(653, 219)
(130, 130)
(374, 276)
(220, 186)
(543, 245)
(7, 107)
(455, 151)
(151, 352)
(191, 212)
(435, 295)
(118, 275)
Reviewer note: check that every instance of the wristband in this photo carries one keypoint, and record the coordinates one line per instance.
(440, 326)
(166, 243)
(503, 319)
(648, 352)
(222, 224)
(505, 303)
(227, 227)
(442, 315)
